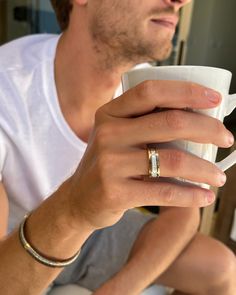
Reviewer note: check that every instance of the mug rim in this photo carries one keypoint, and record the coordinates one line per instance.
(217, 69)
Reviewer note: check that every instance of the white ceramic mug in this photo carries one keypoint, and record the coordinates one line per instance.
(215, 78)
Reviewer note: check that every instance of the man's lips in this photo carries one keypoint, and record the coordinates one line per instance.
(170, 21)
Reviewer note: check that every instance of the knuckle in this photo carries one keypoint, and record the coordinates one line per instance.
(145, 89)
(168, 194)
(191, 89)
(103, 134)
(176, 159)
(153, 122)
(175, 119)
(196, 198)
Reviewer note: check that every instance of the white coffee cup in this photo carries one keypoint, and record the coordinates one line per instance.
(215, 78)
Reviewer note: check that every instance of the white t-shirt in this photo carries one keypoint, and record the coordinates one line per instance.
(38, 149)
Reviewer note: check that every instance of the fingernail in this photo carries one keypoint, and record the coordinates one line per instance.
(231, 138)
(213, 96)
(222, 178)
(210, 197)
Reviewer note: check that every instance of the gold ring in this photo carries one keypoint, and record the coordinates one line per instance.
(154, 163)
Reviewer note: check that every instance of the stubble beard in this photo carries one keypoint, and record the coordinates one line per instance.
(118, 45)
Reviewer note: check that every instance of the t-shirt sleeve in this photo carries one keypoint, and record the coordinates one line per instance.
(2, 153)
(6, 92)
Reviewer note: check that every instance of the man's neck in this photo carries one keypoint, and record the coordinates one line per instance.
(82, 85)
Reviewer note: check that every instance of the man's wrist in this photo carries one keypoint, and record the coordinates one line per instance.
(40, 257)
(70, 216)
(53, 231)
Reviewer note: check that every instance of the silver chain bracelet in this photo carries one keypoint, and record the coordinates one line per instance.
(36, 255)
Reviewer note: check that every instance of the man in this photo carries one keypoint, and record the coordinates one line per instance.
(75, 158)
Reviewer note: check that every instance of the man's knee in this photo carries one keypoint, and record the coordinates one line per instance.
(221, 271)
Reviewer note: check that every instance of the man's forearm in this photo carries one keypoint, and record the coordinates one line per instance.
(48, 231)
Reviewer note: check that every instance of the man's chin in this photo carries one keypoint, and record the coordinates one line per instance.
(163, 54)
(152, 59)
(158, 52)
(148, 54)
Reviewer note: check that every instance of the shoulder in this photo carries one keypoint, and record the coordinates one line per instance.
(20, 64)
(21, 76)
(27, 51)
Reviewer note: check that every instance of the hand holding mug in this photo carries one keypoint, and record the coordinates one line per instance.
(213, 78)
(110, 178)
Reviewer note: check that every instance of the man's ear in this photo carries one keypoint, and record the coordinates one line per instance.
(81, 2)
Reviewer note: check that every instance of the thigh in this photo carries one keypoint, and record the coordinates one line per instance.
(105, 252)
(201, 262)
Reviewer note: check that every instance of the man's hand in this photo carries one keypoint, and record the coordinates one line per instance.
(109, 179)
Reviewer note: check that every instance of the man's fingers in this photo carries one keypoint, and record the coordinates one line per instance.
(173, 163)
(149, 95)
(140, 193)
(174, 125)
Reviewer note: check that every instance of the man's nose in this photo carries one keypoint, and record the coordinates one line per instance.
(177, 4)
